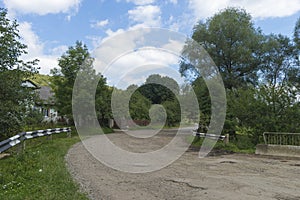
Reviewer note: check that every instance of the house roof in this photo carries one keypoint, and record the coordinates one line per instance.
(29, 84)
(46, 95)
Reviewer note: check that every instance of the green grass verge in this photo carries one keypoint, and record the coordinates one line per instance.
(241, 145)
(40, 171)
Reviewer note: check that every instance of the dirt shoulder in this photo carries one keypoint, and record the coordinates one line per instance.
(224, 177)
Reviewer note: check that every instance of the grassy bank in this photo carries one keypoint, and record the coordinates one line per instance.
(241, 145)
(40, 171)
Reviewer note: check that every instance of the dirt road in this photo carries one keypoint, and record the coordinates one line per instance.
(223, 177)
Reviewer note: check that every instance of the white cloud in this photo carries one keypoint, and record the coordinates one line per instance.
(172, 24)
(139, 74)
(110, 33)
(124, 53)
(140, 2)
(148, 15)
(257, 8)
(59, 50)
(140, 63)
(95, 39)
(35, 49)
(42, 7)
(174, 45)
(68, 18)
(99, 24)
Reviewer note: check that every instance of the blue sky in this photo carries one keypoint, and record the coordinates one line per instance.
(49, 27)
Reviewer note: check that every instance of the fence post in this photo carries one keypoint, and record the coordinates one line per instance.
(21, 147)
(49, 137)
(226, 140)
(69, 133)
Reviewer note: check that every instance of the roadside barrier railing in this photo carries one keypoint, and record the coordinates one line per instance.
(278, 138)
(211, 136)
(22, 137)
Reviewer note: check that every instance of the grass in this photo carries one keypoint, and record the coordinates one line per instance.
(241, 145)
(40, 171)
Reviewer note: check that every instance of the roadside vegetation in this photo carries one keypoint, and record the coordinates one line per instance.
(40, 171)
(243, 144)
(261, 75)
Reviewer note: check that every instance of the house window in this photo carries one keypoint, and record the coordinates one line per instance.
(45, 112)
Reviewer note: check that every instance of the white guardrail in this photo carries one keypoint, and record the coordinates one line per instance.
(17, 139)
(210, 136)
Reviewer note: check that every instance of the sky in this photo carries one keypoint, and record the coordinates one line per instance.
(48, 28)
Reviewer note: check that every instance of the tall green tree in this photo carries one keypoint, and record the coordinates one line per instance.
(297, 34)
(64, 77)
(14, 98)
(77, 59)
(233, 43)
(159, 89)
(139, 105)
(280, 83)
(103, 101)
(259, 72)
(163, 90)
(130, 104)
(272, 105)
(278, 66)
(297, 48)
(173, 112)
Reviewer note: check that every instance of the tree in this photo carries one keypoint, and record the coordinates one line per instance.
(259, 72)
(232, 42)
(159, 89)
(297, 50)
(139, 106)
(130, 104)
(204, 102)
(246, 111)
(163, 90)
(14, 98)
(189, 104)
(103, 101)
(76, 60)
(297, 35)
(279, 71)
(173, 112)
(280, 86)
(272, 105)
(64, 78)
(278, 66)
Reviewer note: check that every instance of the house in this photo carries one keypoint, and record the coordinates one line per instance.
(45, 101)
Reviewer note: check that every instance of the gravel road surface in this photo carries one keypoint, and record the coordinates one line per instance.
(232, 176)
